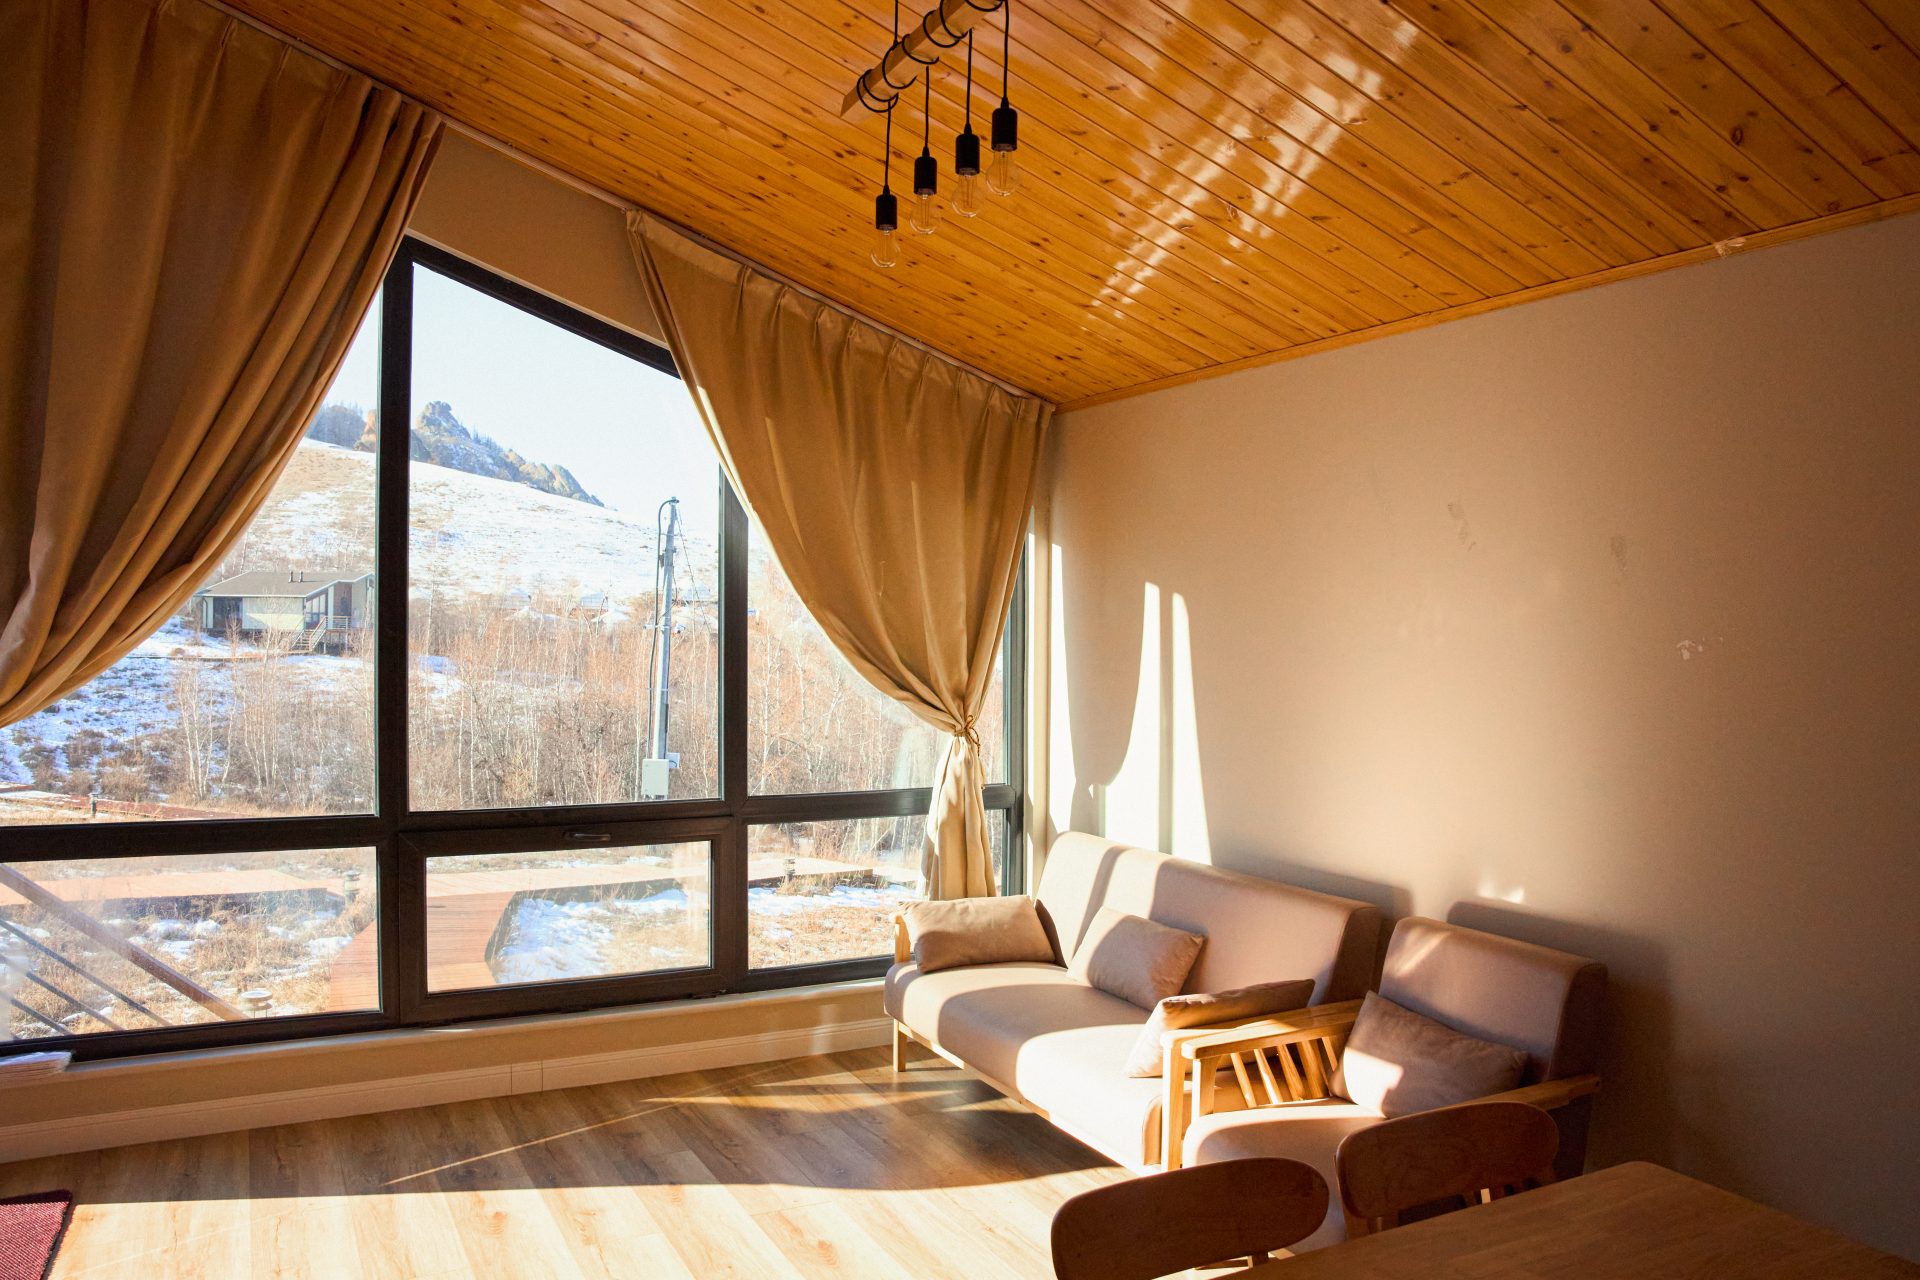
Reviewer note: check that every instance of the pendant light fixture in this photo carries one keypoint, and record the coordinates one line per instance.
(942, 28)
(1003, 175)
(966, 154)
(886, 209)
(925, 217)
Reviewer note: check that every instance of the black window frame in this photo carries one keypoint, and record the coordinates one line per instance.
(402, 838)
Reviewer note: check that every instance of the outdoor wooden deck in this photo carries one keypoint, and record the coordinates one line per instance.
(464, 910)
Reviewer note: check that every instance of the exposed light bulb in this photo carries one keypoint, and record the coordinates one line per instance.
(966, 195)
(1003, 174)
(886, 228)
(925, 218)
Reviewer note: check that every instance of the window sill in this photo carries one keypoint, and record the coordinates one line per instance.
(191, 1093)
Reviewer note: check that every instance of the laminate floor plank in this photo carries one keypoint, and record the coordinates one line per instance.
(826, 1166)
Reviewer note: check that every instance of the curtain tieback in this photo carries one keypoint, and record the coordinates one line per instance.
(970, 730)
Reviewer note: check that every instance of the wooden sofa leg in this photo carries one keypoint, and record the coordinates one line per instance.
(899, 1048)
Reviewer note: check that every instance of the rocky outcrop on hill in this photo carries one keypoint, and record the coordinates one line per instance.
(442, 439)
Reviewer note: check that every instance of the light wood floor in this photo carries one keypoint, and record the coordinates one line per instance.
(822, 1166)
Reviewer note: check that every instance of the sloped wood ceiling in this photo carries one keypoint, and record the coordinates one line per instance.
(1206, 182)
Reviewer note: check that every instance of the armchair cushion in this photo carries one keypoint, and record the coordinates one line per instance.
(970, 931)
(1177, 1013)
(1397, 1062)
(1134, 958)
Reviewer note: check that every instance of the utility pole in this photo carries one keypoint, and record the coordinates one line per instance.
(654, 769)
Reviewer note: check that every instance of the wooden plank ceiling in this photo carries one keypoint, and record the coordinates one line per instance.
(1206, 181)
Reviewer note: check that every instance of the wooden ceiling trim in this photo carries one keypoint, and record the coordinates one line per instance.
(1373, 186)
(1768, 57)
(697, 149)
(1683, 69)
(1345, 114)
(1547, 31)
(1435, 79)
(1183, 305)
(1897, 207)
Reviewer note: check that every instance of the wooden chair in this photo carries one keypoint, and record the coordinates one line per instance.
(1167, 1222)
(1477, 1151)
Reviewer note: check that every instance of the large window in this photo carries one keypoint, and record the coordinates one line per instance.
(504, 711)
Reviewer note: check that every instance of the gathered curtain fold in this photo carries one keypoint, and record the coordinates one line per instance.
(893, 486)
(193, 221)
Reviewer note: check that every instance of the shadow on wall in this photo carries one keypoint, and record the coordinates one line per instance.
(1635, 1115)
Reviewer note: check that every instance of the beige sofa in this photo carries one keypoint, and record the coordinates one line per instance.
(1057, 1045)
(1543, 1002)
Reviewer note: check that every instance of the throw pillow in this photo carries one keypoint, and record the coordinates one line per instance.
(1134, 958)
(1398, 1061)
(965, 931)
(1242, 1004)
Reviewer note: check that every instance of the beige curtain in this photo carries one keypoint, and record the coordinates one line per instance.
(893, 486)
(193, 219)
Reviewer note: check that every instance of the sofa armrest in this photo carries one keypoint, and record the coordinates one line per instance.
(1321, 1022)
(1546, 1095)
(902, 948)
(1194, 1056)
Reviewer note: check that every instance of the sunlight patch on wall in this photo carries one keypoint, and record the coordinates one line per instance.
(1188, 821)
(1130, 804)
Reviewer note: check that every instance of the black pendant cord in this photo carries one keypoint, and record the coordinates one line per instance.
(1006, 49)
(926, 113)
(886, 159)
(969, 80)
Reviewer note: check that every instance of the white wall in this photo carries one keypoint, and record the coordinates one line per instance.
(1595, 622)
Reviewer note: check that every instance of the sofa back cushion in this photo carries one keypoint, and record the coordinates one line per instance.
(1257, 930)
(1543, 1002)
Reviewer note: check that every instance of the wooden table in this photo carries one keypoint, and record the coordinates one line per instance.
(1630, 1222)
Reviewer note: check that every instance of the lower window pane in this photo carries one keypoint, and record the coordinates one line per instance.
(130, 944)
(823, 891)
(506, 919)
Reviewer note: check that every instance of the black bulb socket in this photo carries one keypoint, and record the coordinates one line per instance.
(966, 154)
(886, 212)
(1006, 127)
(926, 175)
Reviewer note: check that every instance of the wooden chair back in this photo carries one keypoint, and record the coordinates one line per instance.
(1478, 1152)
(1167, 1222)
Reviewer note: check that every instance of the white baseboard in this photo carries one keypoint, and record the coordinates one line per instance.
(195, 1119)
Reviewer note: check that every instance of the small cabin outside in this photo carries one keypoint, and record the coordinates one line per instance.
(319, 608)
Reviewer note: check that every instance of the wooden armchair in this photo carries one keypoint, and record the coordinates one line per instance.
(1543, 1002)
(1288, 1059)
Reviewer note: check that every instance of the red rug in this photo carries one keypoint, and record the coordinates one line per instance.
(30, 1231)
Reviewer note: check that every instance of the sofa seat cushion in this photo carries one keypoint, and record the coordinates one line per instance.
(1060, 1044)
(1310, 1132)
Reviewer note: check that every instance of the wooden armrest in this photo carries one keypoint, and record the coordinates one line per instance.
(1316, 1023)
(902, 949)
(1548, 1094)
